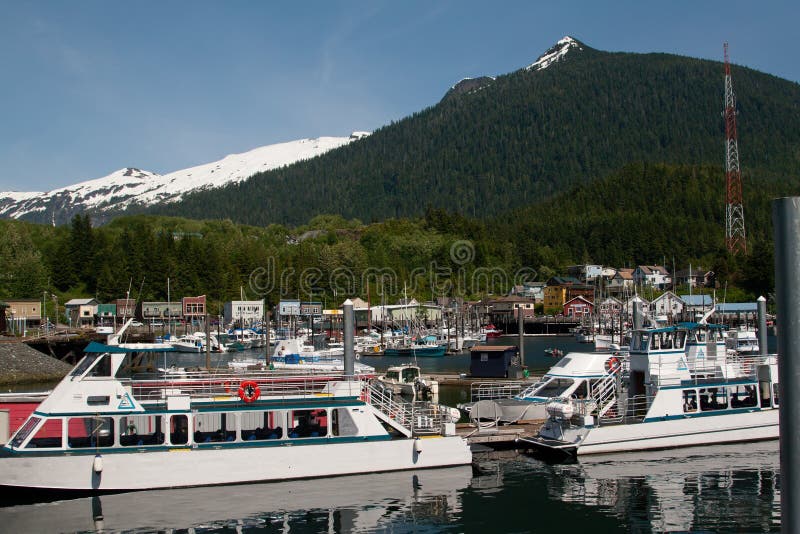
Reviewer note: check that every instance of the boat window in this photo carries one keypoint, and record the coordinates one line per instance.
(775, 398)
(555, 387)
(701, 336)
(680, 339)
(689, 401)
(392, 375)
(409, 374)
(90, 432)
(140, 430)
(178, 430)
(342, 423)
(48, 435)
(214, 427)
(102, 367)
(639, 341)
(308, 423)
(85, 363)
(743, 397)
(562, 362)
(261, 425)
(713, 399)
(655, 343)
(582, 391)
(24, 431)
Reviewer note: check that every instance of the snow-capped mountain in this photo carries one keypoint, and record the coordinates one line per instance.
(555, 53)
(130, 186)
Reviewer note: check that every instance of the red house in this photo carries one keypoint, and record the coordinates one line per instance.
(578, 307)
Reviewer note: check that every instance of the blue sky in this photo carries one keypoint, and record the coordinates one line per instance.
(93, 86)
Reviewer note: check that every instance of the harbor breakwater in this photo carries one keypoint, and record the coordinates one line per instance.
(21, 364)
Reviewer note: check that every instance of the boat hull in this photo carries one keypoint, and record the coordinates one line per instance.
(429, 352)
(684, 432)
(229, 464)
(757, 425)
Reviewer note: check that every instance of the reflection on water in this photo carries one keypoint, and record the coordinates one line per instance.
(731, 487)
(724, 488)
(343, 504)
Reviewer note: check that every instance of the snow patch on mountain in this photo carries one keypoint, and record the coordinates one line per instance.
(555, 53)
(131, 186)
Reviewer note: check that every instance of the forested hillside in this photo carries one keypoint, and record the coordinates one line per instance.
(645, 213)
(526, 136)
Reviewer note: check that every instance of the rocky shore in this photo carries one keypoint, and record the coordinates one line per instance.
(21, 364)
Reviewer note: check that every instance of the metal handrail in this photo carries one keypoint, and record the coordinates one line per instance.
(496, 390)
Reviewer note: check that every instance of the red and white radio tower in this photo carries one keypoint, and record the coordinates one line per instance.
(734, 213)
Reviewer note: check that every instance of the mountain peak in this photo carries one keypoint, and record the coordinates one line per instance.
(555, 53)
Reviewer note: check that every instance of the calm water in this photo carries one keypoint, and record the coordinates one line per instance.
(725, 488)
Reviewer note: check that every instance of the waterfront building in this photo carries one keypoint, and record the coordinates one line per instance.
(578, 307)
(81, 312)
(22, 314)
(246, 311)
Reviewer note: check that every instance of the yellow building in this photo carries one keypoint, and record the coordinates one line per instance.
(555, 297)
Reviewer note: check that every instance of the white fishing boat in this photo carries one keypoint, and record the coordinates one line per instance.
(671, 398)
(408, 380)
(104, 428)
(188, 343)
(744, 341)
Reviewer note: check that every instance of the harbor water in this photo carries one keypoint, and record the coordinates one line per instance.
(710, 489)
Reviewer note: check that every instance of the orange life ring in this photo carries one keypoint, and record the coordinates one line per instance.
(612, 364)
(249, 391)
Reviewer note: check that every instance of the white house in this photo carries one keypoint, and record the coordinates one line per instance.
(246, 311)
(651, 275)
(669, 305)
(644, 306)
(610, 307)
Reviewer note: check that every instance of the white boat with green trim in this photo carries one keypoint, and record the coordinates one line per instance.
(106, 427)
(683, 389)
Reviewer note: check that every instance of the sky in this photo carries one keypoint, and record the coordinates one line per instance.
(93, 86)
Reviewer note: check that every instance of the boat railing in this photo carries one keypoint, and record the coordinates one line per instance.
(725, 368)
(417, 417)
(213, 386)
(499, 389)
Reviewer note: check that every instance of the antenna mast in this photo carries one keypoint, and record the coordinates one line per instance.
(734, 212)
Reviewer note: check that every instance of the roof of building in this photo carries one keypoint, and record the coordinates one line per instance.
(579, 297)
(668, 294)
(625, 274)
(697, 300)
(562, 281)
(80, 302)
(493, 348)
(737, 307)
(653, 269)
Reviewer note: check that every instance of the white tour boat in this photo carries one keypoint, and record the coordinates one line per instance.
(671, 398)
(105, 428)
